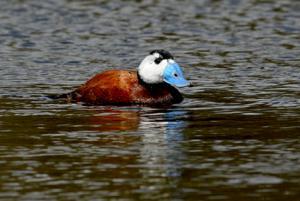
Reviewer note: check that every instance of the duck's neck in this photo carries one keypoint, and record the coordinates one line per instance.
(162, 87)
(176, 97)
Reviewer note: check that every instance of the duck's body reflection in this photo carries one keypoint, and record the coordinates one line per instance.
(110, 119)
(156, 138)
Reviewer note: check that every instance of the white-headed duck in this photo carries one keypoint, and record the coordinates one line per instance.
(152, 84)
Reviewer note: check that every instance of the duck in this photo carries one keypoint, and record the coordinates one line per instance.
(154, 83)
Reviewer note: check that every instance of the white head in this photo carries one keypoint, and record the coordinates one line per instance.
(159, 67)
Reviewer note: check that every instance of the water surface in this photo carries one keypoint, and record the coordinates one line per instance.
(235, 136)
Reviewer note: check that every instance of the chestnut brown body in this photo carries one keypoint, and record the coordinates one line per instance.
(120, 87)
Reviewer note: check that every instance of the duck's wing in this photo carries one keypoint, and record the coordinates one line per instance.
(110, 87)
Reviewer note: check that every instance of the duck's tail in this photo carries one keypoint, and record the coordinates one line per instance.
(70, 97)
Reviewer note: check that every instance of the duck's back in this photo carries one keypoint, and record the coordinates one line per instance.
(120, 87)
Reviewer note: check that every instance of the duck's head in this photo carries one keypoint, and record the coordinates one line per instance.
(158, 67)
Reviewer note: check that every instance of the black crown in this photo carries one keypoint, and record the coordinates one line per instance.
(163, 54)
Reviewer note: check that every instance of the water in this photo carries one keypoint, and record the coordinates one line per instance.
(235, 136)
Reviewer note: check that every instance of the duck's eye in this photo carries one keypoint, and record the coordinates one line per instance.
(175, 74)
(158, 60)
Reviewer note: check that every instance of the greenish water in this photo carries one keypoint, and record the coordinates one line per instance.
(235, 136)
